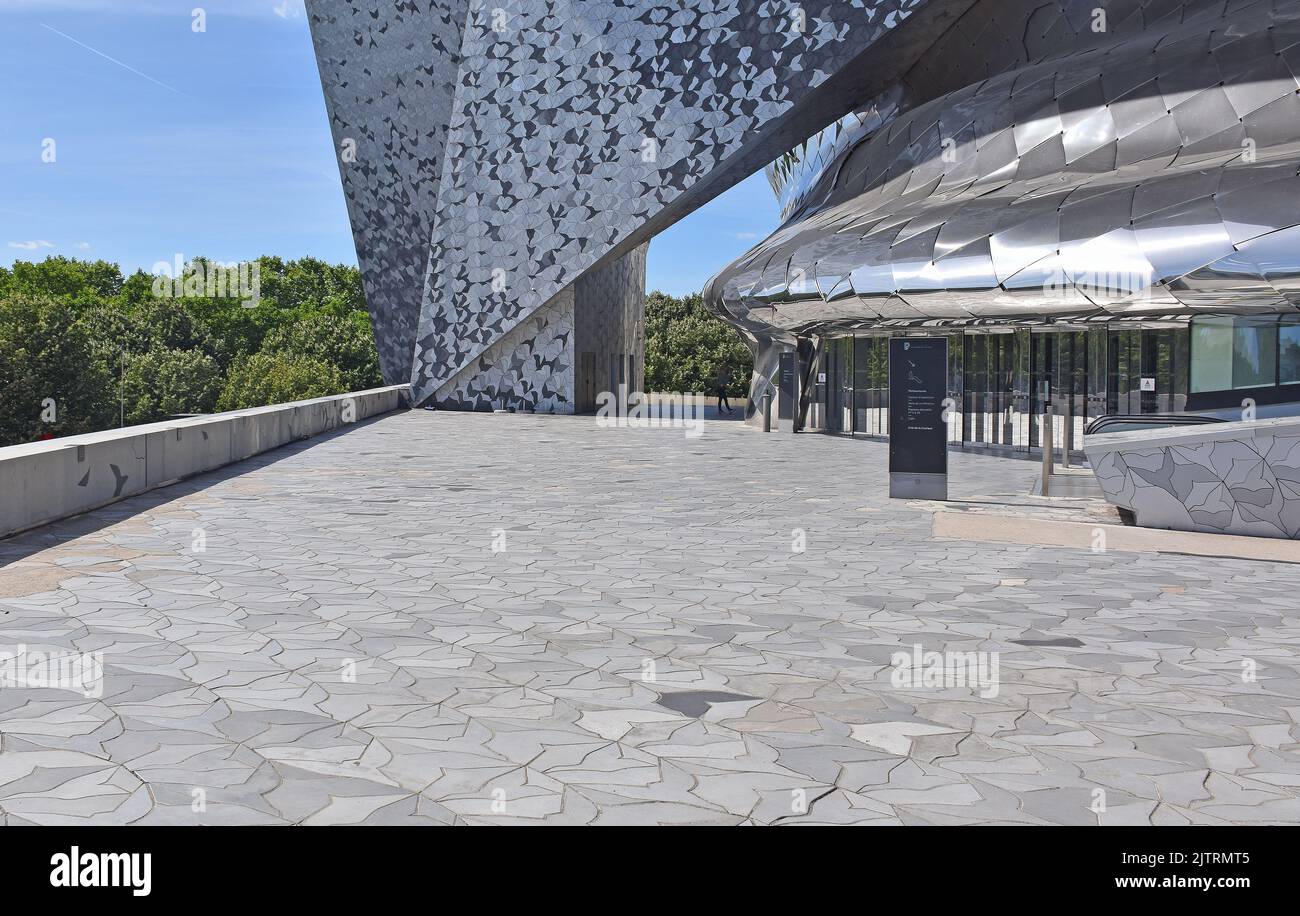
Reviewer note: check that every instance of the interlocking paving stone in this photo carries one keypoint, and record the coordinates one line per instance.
(648, 648)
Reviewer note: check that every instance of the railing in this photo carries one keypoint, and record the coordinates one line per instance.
(1121, 423)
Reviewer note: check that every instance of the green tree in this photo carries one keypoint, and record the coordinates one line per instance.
(162, 383)
(309, 283)
(70, 327)
(51, 384)
(136, 289)
(154, 324)
(237, 331)
(344, 341)
(276, 378)
(65, 279)
(686, 345)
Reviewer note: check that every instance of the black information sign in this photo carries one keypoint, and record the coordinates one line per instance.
(788, 390)
(918, 433)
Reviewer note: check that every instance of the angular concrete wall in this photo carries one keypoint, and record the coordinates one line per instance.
(538, 364)
(45, 481)
(530, 368)
(376, 58)
(551, 137)
(609, 326)
(1224, 478)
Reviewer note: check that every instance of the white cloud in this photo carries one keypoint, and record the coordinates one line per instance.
(83, 246)
(289, 9)
(32, 246)
(743, 236)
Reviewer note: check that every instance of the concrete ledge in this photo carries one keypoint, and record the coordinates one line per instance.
(1163, 437)
(44, 481)
(1220, 478)
(1038, 532)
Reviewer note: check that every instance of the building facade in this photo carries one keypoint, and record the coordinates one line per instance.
(506, 162)
(1100, 197)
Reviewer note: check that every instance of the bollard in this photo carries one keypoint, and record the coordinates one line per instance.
(767, 410)
(1046, 437)
(1067, 432)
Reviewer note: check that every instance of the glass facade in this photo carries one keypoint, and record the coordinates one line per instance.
(996, 380)
(1288, 350)
(996, 375)
(1234, 353)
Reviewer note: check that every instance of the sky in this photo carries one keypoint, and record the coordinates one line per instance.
(167, 141)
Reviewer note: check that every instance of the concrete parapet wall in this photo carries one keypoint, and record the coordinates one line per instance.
(45, 481)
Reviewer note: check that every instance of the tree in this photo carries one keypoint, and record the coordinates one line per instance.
(686, 345)
(237, 331)
(276, 378)
(65, 279)
(310, 283)
(162, 383)
(137, 289)
(344, 341)
(51, 384)
(66, 325)
(166, 324)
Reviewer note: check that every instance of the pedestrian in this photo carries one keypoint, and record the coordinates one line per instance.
(724, 379)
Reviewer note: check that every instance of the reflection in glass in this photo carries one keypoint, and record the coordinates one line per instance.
(1288, 350)
(1212, 354)
(1254, 352)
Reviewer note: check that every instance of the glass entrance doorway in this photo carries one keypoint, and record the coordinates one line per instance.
(996, 379)
(993, 381)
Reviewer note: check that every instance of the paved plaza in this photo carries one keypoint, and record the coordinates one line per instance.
(447, 618)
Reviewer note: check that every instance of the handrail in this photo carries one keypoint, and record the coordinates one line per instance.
(1147, 421)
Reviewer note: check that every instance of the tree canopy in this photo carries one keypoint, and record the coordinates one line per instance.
(686, 345)
(83, 348)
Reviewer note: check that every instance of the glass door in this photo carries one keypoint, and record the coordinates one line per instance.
(975, 358)
(846, 384)
(838, 381)
(862, 393)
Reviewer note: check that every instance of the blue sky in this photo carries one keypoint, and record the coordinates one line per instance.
(213, 143)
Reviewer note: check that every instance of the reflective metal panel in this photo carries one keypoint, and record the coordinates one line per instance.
(1033, 168)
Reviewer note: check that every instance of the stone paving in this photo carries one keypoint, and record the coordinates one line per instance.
(325, 634)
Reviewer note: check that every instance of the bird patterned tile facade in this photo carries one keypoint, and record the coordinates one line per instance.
(530, 368)
(389, 71)
(576, 122)
(537, 366)
(1034, 160)
(574, 125)
(609, 305)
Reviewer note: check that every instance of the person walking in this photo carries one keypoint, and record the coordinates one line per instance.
(724, 379)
